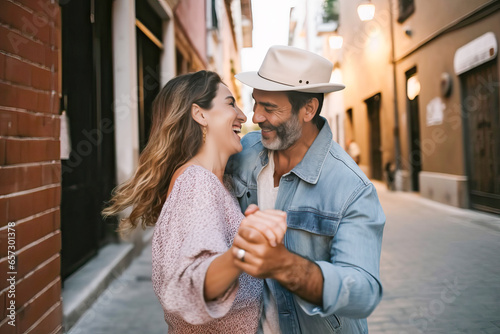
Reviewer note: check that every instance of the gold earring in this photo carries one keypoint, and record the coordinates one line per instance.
(204, 134)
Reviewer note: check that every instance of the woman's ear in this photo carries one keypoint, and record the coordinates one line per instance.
(197, 114)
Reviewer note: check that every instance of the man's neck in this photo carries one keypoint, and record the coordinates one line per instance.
(286, 160)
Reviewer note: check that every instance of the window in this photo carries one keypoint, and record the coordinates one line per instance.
(215, 21)
(406, 8)
(330, 11)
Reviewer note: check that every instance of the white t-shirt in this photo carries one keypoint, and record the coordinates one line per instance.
(267, 194)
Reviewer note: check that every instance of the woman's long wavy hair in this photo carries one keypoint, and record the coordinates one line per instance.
(175, 138)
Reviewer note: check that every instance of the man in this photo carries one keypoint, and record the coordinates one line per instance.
(353, 150)
(324, 278)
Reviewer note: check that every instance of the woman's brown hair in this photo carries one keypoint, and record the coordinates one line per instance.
(175, 138)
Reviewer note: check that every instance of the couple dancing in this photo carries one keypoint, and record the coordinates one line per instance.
(304, 256)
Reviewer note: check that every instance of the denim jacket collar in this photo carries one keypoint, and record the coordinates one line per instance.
(309, 169)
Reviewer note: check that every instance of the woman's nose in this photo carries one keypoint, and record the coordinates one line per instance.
(241, 116)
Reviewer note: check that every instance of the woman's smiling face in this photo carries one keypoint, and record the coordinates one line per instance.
(224, 121)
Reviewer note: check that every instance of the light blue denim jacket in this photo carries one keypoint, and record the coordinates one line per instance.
(335, 219)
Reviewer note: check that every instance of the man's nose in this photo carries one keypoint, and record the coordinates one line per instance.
(258, 116)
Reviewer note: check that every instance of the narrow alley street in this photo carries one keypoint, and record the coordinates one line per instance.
(440, 268)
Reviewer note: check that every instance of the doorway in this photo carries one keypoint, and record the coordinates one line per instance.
(373, 107)
(149, 48)
(88, 176)
(481, 119)
(415, 153)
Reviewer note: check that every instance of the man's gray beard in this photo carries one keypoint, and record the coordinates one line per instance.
(286, 135)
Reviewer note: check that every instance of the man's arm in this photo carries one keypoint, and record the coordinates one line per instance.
(348, 284)
(302, 277)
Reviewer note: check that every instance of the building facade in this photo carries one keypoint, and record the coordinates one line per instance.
(77, 81)
(421, 97)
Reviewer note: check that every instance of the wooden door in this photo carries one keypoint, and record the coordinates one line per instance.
(481, 119)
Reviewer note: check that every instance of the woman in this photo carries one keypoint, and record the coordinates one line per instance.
(179, 185)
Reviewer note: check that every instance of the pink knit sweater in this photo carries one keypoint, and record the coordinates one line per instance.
(198, 222)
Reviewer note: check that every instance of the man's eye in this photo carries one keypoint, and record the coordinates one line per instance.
(232, 104)
(267, 110)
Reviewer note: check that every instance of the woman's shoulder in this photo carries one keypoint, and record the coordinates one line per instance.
(196, 180)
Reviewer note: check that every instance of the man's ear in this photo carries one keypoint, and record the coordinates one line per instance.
(310, 107)
(197, 114)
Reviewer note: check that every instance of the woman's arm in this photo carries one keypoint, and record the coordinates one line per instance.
(221, 274)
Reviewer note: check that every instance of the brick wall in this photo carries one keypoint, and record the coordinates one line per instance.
(30, 168)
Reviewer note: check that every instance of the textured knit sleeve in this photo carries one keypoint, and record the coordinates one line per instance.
(189, 235)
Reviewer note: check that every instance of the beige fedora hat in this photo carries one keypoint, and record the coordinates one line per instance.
(286, 68)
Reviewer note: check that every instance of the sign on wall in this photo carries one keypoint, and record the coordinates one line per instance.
(475, 53)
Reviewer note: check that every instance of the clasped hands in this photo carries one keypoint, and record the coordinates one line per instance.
(258, 247)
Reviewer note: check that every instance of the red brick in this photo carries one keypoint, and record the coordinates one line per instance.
(39, 201)
(8, 95)
(2, 66)
(33, 125)
(19, 178)
(37, 280)
(56, 102)
(5, 328)
(4, 214)
(13, 42)
(33, 311)
(23, 151)
(27, 124)
(48, 7)
(41, 78)
(16, 43)
(51, 58)
(8, 122)
(27, 99)
(43, 102)
(12, 14)
(17, 71)
(3, 308)
(51, 322)
(51, 173)
(30, 258)
(2, 151)
(18, 97)
(32, 230)
(35, 25)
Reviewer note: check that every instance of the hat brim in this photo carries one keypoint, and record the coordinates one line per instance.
(254, 80)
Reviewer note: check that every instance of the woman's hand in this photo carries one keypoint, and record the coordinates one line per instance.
(269, 224)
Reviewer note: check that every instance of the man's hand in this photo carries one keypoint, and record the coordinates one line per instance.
(270, 223)
(264, 260)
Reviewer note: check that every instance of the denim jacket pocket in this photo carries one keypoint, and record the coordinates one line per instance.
(312, 221)
(310, 233)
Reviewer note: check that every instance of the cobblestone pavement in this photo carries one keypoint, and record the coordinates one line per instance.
(440, 268)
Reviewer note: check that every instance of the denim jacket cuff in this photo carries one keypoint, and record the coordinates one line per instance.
(331, 288)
